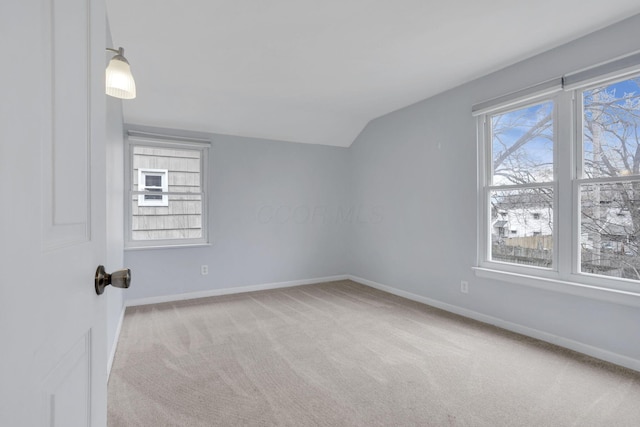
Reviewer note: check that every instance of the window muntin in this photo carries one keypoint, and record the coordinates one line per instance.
(609, 180)
(166, 192)
(521, 185)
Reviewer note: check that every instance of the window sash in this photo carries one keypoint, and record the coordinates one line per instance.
(580, 153)
(489, 256)
(487, 134)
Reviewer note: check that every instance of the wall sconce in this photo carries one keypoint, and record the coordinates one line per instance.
(119, 80)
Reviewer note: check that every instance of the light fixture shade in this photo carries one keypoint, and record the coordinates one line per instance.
(119, 80)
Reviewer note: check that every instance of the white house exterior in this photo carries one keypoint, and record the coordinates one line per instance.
(520, 222)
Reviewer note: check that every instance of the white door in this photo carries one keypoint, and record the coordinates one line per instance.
(52, 221)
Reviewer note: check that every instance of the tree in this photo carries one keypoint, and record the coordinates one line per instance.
(611, 210)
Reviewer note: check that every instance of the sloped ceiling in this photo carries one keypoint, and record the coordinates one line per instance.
(317, 71)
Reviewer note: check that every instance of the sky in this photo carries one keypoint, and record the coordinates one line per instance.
(535, 156)
(533, 161)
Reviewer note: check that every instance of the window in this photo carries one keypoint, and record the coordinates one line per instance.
(166, 191)
(609, 179)
(562, 168)
(153, 183)
(521, 181)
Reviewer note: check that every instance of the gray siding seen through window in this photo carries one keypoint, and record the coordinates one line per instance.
(182, 218)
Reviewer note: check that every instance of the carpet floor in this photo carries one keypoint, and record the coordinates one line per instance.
(342, 354)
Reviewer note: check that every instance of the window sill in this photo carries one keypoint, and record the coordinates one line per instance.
(567, 287)
(144, 248)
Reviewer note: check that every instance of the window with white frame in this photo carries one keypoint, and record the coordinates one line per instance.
(608, 184)
(560, 168)
(521, 184)
(166, 190)
(154, 185)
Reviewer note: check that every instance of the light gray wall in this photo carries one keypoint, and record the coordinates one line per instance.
(399, 208)
(115, 209)
(419, 166)
(274, 217)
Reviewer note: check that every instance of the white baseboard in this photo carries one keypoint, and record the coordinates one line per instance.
(114, 344)
(589, 350)
(229, 291)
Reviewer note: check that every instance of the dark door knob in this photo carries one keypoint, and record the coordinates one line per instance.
(119, 279)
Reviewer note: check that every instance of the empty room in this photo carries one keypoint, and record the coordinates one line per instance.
(320, 213)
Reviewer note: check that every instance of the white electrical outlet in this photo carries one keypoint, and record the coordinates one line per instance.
(204, 270)
(464, 287)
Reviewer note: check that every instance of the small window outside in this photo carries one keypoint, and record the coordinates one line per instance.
(153, 182)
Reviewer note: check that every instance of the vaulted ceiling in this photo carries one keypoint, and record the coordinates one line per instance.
(317, 71)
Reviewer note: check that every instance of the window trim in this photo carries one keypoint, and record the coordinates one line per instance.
(566, 276)
(134, 138)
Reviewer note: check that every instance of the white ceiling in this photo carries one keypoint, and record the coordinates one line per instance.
(317, 71)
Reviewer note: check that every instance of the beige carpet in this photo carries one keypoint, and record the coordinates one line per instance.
(342, 354)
